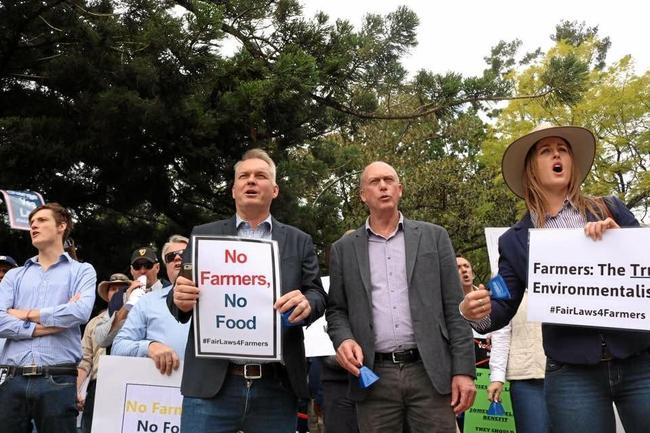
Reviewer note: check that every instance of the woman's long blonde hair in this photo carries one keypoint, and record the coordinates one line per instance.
(537, 199)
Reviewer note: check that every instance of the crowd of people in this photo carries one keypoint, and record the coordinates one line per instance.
(400, 303)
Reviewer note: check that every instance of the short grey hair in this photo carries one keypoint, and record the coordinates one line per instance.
(258, 154)
(172, 240)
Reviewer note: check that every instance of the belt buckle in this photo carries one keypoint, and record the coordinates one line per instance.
(394, 359)
(32, 370)
(252, 376)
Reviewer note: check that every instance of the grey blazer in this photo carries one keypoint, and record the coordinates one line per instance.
(203, 377)
(443, 337)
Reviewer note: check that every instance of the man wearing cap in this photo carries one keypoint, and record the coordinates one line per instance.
(149, 329)
(91, 352)
(144, 265)
(42, 304)
(6, 263)
(222, 395)
(393, 307)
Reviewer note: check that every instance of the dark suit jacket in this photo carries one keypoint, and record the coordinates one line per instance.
(568, 344)
(443, 337)
(203, 377)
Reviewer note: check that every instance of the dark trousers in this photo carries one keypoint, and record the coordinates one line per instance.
(89, 406)
(50, 401)
(339, 412)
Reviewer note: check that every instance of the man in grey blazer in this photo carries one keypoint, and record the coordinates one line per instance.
(227, 395)
(393, 307)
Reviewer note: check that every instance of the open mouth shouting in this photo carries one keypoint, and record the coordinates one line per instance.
(557, 167)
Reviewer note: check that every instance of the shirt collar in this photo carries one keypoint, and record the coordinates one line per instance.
(34, 260)
(567, 204)
(400, 226)
(267, 222)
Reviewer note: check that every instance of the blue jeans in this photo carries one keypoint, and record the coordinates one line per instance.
(48, 400)
(253, 406)
(580, 397)
(529, 406)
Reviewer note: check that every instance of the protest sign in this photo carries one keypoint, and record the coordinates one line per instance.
(477, 419)
(574, 280)
(239, 281)
(317, 341)
(492, 235)
(19, 206)
(132, 396)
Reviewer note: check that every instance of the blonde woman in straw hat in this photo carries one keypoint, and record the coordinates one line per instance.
(587, 368)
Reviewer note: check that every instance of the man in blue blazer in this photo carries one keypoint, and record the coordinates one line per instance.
(226, 396)
(394, 292)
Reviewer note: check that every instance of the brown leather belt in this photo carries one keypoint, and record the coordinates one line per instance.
(256, 371)
(402, 357)
(41, 370)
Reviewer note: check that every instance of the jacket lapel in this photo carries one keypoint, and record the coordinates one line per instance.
(361, 251)
(412, 236)
(278, 234)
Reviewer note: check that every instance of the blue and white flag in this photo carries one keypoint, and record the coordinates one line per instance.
(19, 205)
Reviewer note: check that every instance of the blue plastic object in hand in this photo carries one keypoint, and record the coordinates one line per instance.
(496, 409)
(498, 288)
(285, 319)
(367, 377)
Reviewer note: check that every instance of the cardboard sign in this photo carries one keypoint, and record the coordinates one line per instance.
(574, 280)
(477, 419)
(133, 396)
(239, 281)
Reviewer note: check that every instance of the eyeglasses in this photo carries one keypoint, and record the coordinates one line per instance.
(170, 256)
(139, 265)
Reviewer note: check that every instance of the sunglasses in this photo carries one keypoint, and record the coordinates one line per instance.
(170, 256)
(139, 265)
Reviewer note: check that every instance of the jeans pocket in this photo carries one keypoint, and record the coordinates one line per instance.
(62, 381)
(553, 366)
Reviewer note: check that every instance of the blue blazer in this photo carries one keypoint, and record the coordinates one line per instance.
(568, 344)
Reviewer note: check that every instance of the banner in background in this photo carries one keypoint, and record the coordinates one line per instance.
(476, 418)
(19, 206)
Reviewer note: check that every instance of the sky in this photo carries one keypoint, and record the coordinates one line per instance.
(456, 35)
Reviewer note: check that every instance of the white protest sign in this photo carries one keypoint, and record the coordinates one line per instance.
(492, 235)
(577, 281)
(133, 396)
(317, 341)
(239, 280)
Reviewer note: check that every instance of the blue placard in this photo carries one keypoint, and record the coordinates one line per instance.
(19, 206)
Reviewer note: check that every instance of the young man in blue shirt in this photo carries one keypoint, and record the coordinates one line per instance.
(42, 304)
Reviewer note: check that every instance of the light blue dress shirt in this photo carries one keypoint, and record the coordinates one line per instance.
(148, 321)
(50, 291)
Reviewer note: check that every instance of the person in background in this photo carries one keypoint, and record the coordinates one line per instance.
(87, 369)
(149, 330)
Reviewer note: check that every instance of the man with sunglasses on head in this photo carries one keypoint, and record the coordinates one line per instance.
(149, 330)
(144, 262)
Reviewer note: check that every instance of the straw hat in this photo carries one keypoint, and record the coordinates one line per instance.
(115, 279)
(581, 140)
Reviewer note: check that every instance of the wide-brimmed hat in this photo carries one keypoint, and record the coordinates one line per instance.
(120, 279)
(581, 140)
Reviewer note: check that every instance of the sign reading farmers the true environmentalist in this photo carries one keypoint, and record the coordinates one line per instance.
(19, 206)
(575, 280)
(239, 281)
